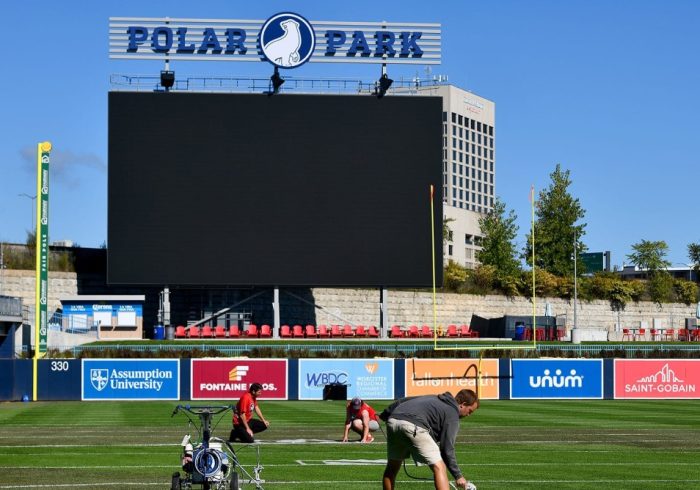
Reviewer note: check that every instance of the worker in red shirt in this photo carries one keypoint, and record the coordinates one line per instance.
(244, 426)
(361, 418)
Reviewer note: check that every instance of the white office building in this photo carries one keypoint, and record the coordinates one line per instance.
(468, 168)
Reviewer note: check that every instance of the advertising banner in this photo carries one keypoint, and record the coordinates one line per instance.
(42, 247)
(229, 379)
(657, 378)
(435, 376)
(372, 379)
(130, 379)
(557, 378)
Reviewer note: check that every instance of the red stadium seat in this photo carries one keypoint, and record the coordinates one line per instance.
(360, 331)
(180, 332)
(426, 331)
(265, 331)
(413, 331)
(323, 331)
(285, 331)
(396, 332)
(252, 330)
(452, 331)
(234, 332)
(297, 332)
(207, 332)
(219, 332)
(373, 332)
(335, 331)
(310, 332)
(348, 331)
(626, 333)
(193, 332)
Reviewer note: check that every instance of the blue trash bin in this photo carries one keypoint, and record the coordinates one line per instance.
(158, 332)
(519, 332)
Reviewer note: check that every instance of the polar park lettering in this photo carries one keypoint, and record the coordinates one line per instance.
(161, 39)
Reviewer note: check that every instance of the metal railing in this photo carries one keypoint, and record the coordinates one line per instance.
(390, 348)
(151, 83)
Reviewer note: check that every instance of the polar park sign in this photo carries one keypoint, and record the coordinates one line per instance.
(286, 39)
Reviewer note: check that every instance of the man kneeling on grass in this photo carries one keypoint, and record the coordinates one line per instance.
(361, 418)
(244, 425)
(425, 427)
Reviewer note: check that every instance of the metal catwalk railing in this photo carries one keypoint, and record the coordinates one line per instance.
(400, 349)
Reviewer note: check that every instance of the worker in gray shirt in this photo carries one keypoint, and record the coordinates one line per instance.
(425, 427)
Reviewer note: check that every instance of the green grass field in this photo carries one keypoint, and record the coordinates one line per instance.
(505, 445)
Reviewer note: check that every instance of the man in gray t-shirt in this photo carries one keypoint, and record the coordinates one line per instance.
(425, 427)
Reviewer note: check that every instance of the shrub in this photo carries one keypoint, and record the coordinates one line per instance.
(686, 291)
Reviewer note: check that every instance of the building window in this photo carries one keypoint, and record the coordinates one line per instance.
(449, 250)
(444, 117)
(459, 119)
(478, 126)
(472, 123)
(454, 117)
(454, 130)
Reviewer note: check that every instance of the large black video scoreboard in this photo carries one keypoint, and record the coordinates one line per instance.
(284, 190)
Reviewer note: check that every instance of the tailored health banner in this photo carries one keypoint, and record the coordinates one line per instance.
(130, 379)
(657, 378)
(372, 379)
(556, 378)
(435, 376)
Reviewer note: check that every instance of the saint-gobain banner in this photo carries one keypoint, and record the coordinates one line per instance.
(130, 379)
(657, 378)
(556, 378)
(435, 376)
(372, 379)
(229, 379)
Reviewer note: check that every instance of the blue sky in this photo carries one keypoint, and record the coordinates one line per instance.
(611, 90)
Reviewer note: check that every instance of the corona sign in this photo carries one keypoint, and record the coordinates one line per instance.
(286, 39)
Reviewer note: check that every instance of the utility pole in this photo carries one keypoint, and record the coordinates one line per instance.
(575, 333)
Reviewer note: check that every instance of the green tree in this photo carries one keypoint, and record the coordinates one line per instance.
(650, 256)
(497, 246)
(446, 230)
(556, 215)
(694, 256)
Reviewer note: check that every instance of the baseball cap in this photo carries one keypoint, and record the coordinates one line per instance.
(356, 402)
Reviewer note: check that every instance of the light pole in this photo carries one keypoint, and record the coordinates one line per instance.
(574, 333)
(33, 198)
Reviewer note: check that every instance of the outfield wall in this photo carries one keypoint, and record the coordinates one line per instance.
(204, 380)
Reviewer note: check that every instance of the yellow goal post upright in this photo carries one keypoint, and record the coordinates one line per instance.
(483, 347)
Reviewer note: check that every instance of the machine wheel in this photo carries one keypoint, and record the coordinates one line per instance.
(175, 485)
(234, 481)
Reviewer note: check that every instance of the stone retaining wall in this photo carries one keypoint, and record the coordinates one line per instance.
(361, 306)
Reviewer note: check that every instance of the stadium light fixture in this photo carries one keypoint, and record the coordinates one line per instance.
(383, 84)
(167, 79)
(276, 81)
